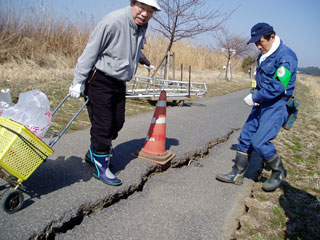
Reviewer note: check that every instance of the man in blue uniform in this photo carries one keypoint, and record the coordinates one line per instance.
(276, 79)
(109, 60)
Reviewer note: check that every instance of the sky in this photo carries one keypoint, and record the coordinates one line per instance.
(296, 22)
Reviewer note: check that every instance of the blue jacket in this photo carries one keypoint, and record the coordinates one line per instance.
(269, 89)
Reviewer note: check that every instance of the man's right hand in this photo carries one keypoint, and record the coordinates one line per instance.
(249, 100)
(76, 90)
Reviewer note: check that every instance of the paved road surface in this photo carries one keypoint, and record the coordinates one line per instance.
(179, 201)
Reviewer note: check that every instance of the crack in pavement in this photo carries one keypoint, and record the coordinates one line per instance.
(63, 225)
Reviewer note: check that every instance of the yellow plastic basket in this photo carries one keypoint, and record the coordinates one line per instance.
(21, 152)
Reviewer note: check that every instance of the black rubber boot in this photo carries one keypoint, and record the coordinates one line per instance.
(238, 170)
(279, 173)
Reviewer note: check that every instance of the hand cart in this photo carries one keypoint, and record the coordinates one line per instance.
(21, 153)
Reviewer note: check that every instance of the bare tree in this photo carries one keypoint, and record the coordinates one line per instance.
(180, 19)
(232, 45)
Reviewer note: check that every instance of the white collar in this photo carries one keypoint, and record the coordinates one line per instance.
(273, 48)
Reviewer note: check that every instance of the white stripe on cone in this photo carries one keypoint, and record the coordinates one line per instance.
(159, 120)
(161, 103)
(150, 139)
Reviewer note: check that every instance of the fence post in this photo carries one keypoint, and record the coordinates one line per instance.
(167, 66)
(189, 81)
(174, 66)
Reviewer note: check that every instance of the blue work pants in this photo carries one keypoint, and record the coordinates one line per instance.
(262, 126)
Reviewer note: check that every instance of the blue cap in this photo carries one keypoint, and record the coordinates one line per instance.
(258, 30)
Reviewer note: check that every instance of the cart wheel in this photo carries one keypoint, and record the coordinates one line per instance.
(181, 103)
(13, 178)
(12, 201)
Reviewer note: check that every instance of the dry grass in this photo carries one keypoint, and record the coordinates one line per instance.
(41, 38)
(39, 49)
(188, 54)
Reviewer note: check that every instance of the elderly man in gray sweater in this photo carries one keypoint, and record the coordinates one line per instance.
(109, 59)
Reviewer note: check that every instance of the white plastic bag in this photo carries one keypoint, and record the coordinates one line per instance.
(33, 111)
(5, 100)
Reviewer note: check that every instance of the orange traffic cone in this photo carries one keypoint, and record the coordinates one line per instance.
(154, 147)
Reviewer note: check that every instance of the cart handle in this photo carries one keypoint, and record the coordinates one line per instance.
(70, 122)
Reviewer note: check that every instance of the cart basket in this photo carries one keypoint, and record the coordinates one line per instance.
(21, 152)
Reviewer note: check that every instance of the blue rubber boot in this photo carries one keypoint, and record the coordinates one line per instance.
(101, 162)
(89, 156)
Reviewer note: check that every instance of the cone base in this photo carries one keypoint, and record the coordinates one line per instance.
(162, 160)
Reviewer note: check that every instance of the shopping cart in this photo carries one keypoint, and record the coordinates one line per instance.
(21, 153)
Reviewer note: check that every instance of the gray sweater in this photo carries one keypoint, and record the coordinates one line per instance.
(113, 47)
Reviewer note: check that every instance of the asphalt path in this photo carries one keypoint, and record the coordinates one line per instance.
(181, 200)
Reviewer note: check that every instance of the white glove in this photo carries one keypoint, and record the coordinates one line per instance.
(248, 100)
(152, 67)
(76, 90)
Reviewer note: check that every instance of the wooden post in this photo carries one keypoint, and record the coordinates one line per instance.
(181, 69)
(168, 66)
(174, 66)
(165, 72)
(230, 68)
(161, 68)
(189, 81)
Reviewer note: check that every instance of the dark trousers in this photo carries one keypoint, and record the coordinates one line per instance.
(106, 108)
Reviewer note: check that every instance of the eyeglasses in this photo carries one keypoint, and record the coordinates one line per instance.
(143, 8)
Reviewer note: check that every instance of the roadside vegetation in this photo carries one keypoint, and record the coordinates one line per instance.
(40, 50)
(314, 71)
(292, 212)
